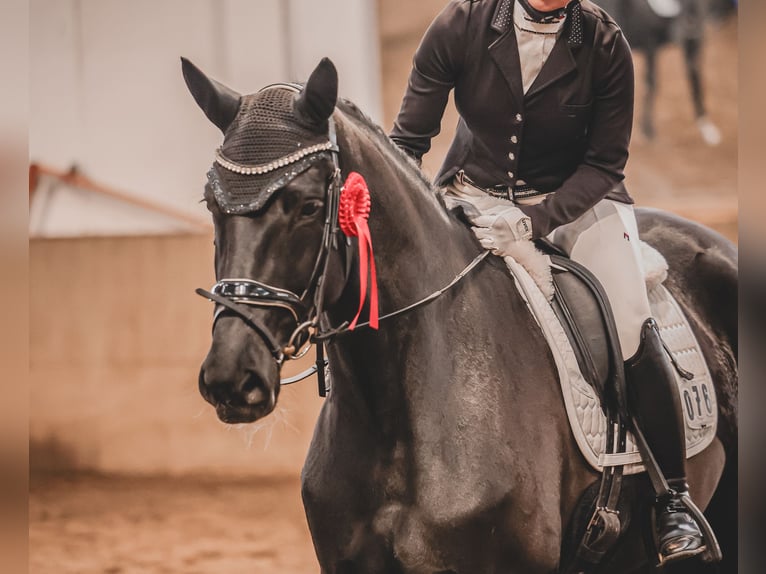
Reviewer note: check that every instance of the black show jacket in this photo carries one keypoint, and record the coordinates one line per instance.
(569, 133)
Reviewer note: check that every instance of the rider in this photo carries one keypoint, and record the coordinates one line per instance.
(544, 89)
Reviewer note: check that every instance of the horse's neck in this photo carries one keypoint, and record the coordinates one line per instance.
(413, 235)
(418, 248)
(436, 392)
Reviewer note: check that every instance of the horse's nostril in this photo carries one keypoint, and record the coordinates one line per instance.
(256, 396)
(254, 390)
(207, 378)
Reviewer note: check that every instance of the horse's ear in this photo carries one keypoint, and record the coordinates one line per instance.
(317, 101)
(219, 103)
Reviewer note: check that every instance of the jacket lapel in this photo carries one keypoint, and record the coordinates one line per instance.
(505, 51)
(560, 62)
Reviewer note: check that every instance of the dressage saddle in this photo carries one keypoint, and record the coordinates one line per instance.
(581, 306)
(583, 310)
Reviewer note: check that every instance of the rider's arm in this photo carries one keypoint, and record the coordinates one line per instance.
(435, 67)
(608, 138)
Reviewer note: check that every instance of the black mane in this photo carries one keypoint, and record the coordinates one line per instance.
(351, 109)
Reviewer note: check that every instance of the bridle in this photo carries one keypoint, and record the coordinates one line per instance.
(236, 295)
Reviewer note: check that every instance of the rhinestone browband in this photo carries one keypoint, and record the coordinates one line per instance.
(242, 169)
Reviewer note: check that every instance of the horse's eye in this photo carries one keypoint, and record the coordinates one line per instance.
(311, 208)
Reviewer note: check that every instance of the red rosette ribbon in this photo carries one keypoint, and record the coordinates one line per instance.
(353, 211)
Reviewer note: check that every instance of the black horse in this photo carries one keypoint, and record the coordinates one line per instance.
(648, 29)
(443, 446)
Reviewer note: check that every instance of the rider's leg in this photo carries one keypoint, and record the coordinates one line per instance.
(655, 401)
(605, 240)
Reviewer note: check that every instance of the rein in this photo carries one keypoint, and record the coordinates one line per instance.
(344, 328)
(236, 295)
(320, 338)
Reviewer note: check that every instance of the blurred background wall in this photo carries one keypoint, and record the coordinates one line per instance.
(107, 96)
(120, 241)
(119, 152)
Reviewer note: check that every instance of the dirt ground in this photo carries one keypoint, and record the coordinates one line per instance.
(86, 524)
(111, 525)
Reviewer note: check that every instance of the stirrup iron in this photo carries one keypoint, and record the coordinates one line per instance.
(712, 552)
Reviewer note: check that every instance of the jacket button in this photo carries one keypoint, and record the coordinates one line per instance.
(514, 139)
(518, 117)
(511, 156)
(510, 174)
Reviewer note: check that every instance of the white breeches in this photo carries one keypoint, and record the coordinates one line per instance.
(605, 241)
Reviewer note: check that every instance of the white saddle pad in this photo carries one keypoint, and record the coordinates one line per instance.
(586, 418)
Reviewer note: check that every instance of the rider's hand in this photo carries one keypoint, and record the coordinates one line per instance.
(498, 232)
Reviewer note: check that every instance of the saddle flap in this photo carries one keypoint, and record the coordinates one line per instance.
(579, 313)
(584, 311)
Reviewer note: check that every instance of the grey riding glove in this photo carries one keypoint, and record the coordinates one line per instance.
(498, 232)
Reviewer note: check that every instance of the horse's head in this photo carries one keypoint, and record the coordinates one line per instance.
(272, 192)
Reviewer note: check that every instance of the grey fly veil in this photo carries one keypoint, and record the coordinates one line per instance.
(267, 145)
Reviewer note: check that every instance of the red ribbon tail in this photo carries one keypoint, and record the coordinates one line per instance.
(373, 283)
(360, 226)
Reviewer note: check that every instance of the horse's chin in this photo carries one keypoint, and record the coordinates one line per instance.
(243, 413)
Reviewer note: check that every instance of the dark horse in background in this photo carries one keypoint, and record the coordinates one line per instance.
(648, 29)
(443, 446)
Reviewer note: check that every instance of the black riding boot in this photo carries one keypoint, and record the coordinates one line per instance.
(655, 401)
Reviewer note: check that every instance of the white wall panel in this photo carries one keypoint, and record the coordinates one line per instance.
(107, 94)
(55, 119)
(143, 132)
(253, 43)
(346, 32)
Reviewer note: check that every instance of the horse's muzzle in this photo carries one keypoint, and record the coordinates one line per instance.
(242, 402)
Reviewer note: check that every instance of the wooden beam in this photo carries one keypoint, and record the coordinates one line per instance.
(74, 178)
